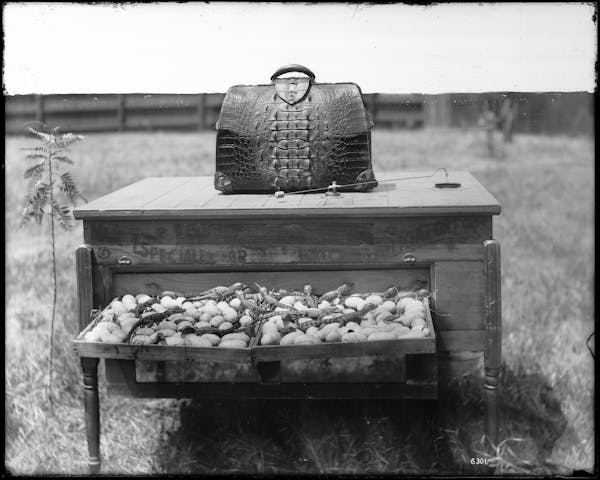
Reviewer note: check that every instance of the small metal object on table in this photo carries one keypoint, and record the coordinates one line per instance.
(177, 233)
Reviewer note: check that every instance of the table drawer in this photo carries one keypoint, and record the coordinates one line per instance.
(410, 360)
(393, 361)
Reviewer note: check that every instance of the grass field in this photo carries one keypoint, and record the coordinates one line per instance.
(546, 188)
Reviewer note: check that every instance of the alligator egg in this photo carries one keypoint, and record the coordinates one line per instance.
(216, 320)
(375, 299)
(300, 306)
(324, 305)
(142, 297)
(288, 300)
(235, 303)
(389, 306)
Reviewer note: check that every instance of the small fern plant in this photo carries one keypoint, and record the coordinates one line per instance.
(50, 194)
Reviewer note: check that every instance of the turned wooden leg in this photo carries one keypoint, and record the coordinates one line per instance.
(493, 352)
(92, 411)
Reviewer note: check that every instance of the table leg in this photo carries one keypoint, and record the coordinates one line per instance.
(91, 404)
(493, 352)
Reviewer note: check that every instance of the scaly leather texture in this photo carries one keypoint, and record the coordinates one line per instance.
(293, 135)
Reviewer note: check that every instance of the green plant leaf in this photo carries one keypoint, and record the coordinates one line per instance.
(47, 138)
(62, 158)
(36, 171)
(63, 215)
(68, 187)
(39, 148)
(35, 156)
(36, 201)
(52, 146)
(67, 139)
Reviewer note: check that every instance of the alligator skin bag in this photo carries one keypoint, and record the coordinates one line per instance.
(293, 135)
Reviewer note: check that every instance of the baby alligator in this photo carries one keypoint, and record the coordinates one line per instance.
(150, 318)
(341, 319)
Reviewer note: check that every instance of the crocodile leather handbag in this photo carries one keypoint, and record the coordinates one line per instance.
(293, 134)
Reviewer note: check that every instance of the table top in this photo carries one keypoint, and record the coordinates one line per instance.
(195, 197)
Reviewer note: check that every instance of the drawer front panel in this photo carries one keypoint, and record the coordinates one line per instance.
(368, 369)
(121, 380)
(362, 241)
(321, 280)
(459, 295)
(192, 371)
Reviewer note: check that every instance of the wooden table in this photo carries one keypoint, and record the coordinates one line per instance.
(178, 233)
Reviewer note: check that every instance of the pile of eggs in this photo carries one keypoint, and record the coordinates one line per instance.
(115, 322)
(377, 318)
(390, 320)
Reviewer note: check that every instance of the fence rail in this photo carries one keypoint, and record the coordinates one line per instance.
(537, 113)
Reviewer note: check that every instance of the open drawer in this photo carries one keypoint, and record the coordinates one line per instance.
(407, 361)
(402, 360)
(169, 363)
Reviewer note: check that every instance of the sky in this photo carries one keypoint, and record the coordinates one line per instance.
(198, 47)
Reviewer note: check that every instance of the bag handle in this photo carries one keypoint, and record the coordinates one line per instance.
(294, 67)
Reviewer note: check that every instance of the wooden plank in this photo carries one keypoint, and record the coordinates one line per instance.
(160, 352)
(211, 116)
(422, 368)
(266, 353)
(399, 98)
(461, 340)
(459, 294)
(378, 197)
(312, 201)
(17, 125)
(161, 119)
(193, 371)
(412, 231)
(300, 254)
(83, 262)
(199, 197)
(218, 202)
(411, 197)
(39, 109)
(80, 103)
(364, 280)
(91, 404)
(214, 100)
(180, 193)
(20, 106)
(272, 203)
(493, 352)
(325, 212)
(121, 116)
(134, 196)
(284, 391)
(120, 379)
(252, 242)
(248, 201)
(73, 122)
(364, 369)
(104, 287)
(493, 307)
(200, 100)
(160, 101)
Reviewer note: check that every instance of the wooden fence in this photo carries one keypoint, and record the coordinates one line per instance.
(85, 113)
(537, 113)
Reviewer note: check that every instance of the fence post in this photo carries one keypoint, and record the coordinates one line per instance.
(373, 107)
(121, 111)
(201, 109)
(39, 108)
